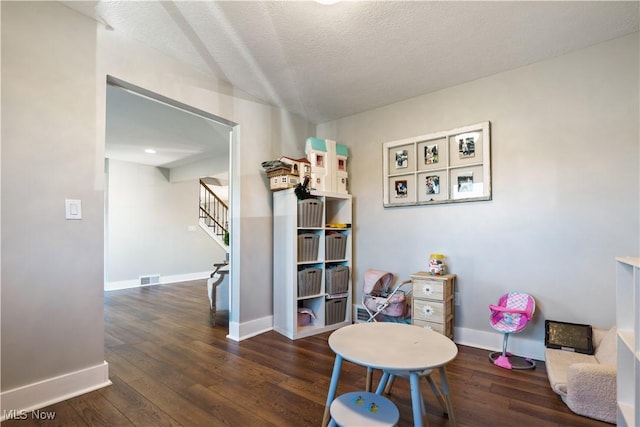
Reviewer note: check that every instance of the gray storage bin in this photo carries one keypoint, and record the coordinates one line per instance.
(308, 247)
(310, 213)
(309, 281)
(335, 246)
(337, 279)
(335, 310)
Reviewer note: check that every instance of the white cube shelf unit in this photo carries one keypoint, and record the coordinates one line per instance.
(628, 327)
(294, 252)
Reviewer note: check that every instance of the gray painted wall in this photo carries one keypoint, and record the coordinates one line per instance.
(262, 128)
(52, 269)
(565, 160)
(565, 184)
(148, 221)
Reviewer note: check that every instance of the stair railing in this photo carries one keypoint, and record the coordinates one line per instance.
(213, 211)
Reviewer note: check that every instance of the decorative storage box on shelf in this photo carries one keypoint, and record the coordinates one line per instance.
(312, 242)
(432, 302)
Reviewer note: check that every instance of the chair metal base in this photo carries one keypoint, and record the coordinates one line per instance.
(509, 361)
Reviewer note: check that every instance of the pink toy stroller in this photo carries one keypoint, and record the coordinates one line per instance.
(512, 313)
(380, 298)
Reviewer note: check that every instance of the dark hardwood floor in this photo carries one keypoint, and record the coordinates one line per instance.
(169, 367)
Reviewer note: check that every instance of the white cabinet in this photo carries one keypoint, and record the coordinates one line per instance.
(311, 263)
(628, 326)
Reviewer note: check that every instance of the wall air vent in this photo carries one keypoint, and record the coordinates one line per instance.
(361, 314)
(153, 279)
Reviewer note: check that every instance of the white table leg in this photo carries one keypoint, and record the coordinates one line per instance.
(333, 386)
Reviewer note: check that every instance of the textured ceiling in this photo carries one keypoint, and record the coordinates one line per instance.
(135, 123)
(326, 62)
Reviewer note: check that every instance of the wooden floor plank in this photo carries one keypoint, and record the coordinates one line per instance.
(169, 367)
(97, 411)
(138, 409)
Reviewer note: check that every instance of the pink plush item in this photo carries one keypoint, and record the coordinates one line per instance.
(503, 362)
(305, 316)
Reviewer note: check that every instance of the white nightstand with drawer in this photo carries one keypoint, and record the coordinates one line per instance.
(432, 302)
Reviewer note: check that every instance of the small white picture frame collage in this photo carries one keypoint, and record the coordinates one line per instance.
(442, 167)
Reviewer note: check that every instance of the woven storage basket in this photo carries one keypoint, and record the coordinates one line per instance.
(308, 247)
(335, 246)
(309, 281)
(337, 280)
(310, 213)
(335, 310)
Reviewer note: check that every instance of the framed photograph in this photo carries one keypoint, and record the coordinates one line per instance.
(402, 189)
(401, 159)
(467, 183)
(467, 145)
(442, 167)
(433, 187)
(432, 154)
(466, 148)
(432, 184)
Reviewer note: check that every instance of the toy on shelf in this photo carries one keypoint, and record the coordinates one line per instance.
(286, 172)
(325, 167)
(437, 265)
(328, 161)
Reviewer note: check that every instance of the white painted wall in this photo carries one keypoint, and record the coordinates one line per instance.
(148, 220)
(564, 136)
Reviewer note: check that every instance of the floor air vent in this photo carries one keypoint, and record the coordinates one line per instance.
(150, 280)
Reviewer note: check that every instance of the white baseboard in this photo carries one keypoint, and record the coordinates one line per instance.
(493, 341)
(174, 278)
(38, 395)
(243, 331)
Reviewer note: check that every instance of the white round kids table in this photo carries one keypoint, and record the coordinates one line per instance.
(394, 348)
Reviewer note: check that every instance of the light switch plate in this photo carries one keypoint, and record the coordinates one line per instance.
(73, 209)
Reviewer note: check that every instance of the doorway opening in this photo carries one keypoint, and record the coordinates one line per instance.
(160, 154)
